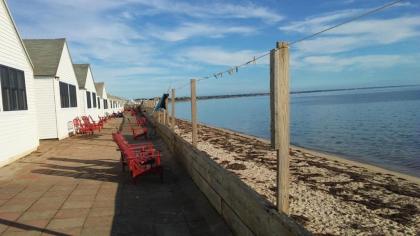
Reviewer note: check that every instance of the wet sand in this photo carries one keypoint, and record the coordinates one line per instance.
(328, 195)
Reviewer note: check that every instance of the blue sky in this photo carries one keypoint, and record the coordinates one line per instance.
(140, 48)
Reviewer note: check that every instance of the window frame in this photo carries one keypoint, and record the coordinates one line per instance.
(13, 89)
(88, 100)
(64, 94)
(94, 100)
(72, 95)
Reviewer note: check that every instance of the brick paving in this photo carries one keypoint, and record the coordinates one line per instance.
(76, 187)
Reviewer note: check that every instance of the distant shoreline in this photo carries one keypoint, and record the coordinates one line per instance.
(180, 99)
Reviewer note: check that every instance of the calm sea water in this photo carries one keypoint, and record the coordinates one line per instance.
(376, 126)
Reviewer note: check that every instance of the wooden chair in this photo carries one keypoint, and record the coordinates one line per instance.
(81, 128)
(93, 126)
(141, 159)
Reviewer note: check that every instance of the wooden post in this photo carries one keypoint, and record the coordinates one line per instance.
(166, 112)
(163, 117)
(193, 113)
(173, 109)
(279, 102)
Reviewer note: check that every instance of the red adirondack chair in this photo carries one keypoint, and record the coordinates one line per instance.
(149, 163)
(141, 121)
(140, 158)
(93, 126)
(100, 123)
(102, 119)
(81, 128)
(138, 132)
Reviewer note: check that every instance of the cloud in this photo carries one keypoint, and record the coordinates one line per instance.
(355, 35)
(364, 62)
(190, 30)
(205, 10)
(218, 56)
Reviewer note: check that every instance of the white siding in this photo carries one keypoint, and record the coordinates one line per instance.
(18, 129)
(82, 99)
(90, 86)
(65, 116)
(46, 110)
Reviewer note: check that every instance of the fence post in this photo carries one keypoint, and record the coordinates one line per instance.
(279, 102)
(194, 112)
(166, 112)
(173, 109)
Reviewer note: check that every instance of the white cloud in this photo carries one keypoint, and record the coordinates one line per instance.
(219, 56)
(318, 23)
(212, 10)
(342, 63)
(358, 34)
(190, 30)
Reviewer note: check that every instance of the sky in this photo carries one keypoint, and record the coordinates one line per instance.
(142, 48)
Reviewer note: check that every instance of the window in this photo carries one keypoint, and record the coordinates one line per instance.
(105, 104)
(64, 95)
(73, 97)
(99, 103)
(89, 104)
(13, 89)
(68, 97)
(94, 99)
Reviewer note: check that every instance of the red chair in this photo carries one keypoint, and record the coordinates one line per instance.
(93, 126)
(81, 128)
(122, 143)
(102, 119)
(138, 132)
(141, 159)
(141, 121)
(100, 123)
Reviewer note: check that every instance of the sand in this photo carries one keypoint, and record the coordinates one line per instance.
(328, 195)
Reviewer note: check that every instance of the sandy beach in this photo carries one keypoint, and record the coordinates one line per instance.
(329, 195)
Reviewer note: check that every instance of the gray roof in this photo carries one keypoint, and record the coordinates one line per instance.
(99, 88)
(45, 54)
(81, 71)
(115, 97)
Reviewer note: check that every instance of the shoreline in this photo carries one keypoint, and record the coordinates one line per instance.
(325, 154)
(328, 194)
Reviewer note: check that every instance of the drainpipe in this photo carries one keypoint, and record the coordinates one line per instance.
(55, 106)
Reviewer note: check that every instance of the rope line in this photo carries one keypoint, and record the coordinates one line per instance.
(390, 4)
(253, 61)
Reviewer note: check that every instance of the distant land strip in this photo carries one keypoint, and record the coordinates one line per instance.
(293, 92)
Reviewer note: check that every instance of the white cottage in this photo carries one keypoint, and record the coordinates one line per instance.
(116, 103)
(89, 102)
(18, 123)
(55, 87)
(102, 98)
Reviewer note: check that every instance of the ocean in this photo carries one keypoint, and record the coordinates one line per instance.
(375, 126)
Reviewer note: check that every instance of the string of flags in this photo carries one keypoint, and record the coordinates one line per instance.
(234, 69)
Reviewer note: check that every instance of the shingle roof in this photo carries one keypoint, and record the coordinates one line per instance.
(99, 88)
(45, 54)
(115, 97)
(81, 71)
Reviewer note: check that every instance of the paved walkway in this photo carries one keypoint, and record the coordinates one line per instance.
(76, 187)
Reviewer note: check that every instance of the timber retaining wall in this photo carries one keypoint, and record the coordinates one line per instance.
(245, 211)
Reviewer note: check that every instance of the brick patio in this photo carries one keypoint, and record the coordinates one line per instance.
(75, 187)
